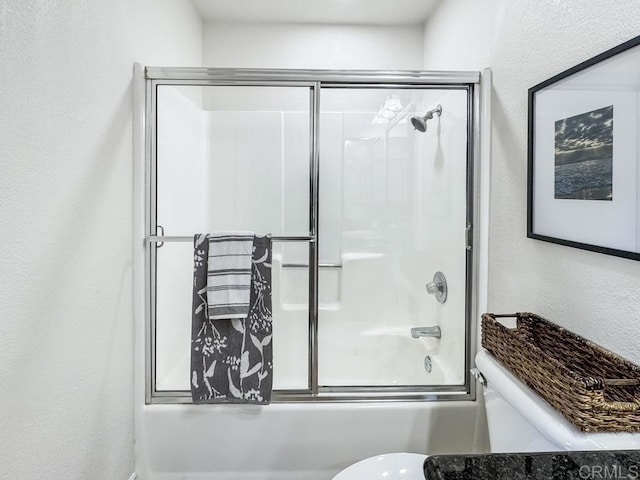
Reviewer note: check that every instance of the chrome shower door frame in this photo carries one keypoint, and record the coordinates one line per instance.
(315, 80)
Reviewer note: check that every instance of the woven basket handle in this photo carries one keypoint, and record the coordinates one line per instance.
(621, 381)
(633, 406)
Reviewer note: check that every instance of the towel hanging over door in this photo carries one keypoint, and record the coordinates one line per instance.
(232, 359)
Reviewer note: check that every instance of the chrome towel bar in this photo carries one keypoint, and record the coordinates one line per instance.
(185, 238)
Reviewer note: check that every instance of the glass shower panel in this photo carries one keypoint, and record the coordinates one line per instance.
(174, 281)
(290, 295)
(393, 210)
(232, 158)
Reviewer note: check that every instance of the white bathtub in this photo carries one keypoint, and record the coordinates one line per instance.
(293, 441)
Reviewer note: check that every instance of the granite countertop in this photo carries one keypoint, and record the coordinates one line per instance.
(594, 465)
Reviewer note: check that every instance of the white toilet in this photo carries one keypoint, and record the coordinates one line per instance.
(520, 421)
(390, 466)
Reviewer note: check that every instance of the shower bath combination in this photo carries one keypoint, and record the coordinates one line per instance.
(420, 123)
(349, 267)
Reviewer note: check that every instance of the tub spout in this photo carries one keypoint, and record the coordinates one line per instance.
(418, 332)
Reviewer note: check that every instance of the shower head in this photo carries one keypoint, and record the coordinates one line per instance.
(420, 123)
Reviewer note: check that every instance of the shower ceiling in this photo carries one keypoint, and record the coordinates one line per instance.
(372, 12)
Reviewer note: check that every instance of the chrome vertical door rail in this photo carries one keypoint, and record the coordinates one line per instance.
(470, 297)
(150, 228)
(314, 246)
(479, 152)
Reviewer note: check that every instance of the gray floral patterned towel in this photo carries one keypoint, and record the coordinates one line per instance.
(232, 359)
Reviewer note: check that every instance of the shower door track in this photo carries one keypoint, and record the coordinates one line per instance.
(315, 80)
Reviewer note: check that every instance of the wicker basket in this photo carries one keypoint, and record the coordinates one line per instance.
(594, 389)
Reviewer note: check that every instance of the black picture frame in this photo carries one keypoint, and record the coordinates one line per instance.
(582, 183)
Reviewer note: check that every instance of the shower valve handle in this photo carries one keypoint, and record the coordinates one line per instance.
(438, 287)
(434, 287)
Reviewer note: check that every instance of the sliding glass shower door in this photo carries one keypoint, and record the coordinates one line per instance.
(364, 210)
(232, 158)
(393, 211)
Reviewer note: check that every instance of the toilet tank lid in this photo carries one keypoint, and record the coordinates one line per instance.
(543, 416)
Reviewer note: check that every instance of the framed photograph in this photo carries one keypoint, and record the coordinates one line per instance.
(583, 154)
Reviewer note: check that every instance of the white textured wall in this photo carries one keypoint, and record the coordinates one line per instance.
(66, 348)
(312, 46)
(524, 43)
